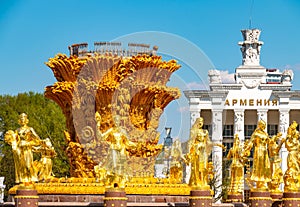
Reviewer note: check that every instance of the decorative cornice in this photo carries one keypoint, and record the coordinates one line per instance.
(274, 87)
(284, 94)
(218, 94)
(225, 87)
(196, 93)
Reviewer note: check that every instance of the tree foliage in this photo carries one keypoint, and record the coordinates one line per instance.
(45, 117)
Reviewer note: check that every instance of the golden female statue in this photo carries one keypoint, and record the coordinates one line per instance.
(45, 163)
(236, 167)
(292, 175)
(29, 140)
(198, 155)
(115, 164)
(176, 162)
(277, 174)
(261, 172)
(292, 144)
(24, 141)
(13, 140)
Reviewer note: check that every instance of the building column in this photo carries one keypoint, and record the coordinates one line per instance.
(239, 122)
(194, 116)
(217, 153)
(262, 114)
(284, 121)
(239, 128)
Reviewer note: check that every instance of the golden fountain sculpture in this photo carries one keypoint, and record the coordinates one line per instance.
(112, 104)
(25, 142)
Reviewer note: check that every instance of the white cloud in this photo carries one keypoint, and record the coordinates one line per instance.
(293, 67)
(183, 109)
(227, 77)
(196, 86)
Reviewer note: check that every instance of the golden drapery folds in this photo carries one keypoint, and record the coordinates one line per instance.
(199, 152)
(176, 167)
(261, 172)
(25, 142)
(292, 175)
(132, 88)
(275, 160)
(236, 168)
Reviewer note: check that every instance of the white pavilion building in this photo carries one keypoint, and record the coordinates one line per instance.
(257, 93)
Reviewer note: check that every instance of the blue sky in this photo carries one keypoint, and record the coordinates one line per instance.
(31, 31)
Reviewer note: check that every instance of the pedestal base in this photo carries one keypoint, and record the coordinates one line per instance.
(291, 199)
(260, 198)
(234, 198)
(115, 198)
(200, 198)
(276, 199)
(26, 198)
(276, 196)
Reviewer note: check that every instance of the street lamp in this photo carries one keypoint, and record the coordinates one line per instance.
(168, 139)
(167, 148)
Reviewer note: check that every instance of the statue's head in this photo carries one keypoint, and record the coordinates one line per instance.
(236, 139)
(262, 124)
(48, 142)
(117, 120)
(294, 125)
(23, 119)
(176, 143)
(199, 122)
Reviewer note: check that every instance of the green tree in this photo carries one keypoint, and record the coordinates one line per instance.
(45, 117)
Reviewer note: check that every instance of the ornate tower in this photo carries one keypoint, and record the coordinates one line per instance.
(250, 47)
(250, 73)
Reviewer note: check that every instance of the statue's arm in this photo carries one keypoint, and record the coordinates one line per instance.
(188, 156)
(229, 155)
(105, 134)
(34, 133)
(280, 145)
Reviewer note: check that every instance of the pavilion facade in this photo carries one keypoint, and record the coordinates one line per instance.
(257, 93)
